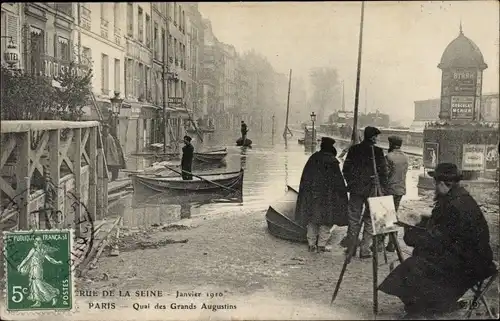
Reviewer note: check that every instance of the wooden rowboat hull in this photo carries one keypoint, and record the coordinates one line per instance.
(175, 184)
(239, 142)
(280, 218)
(210, 157)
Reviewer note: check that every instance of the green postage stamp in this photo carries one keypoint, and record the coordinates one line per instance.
(38, 272)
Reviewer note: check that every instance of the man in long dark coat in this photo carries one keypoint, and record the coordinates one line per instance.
(451, 251)
(359, 174)
(322, 200)
(187, 159)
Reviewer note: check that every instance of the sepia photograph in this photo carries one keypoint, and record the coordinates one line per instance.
(324, 160)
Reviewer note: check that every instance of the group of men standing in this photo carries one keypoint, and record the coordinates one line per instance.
(323, 199)
(451, 247)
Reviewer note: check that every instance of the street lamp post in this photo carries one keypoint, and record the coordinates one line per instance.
(116, 103)
(313, 135)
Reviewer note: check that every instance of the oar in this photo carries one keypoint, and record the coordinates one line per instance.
(203, 179)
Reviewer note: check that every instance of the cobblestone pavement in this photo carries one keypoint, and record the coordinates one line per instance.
(267, 278)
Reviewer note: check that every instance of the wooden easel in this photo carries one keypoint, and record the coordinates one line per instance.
(352, 247)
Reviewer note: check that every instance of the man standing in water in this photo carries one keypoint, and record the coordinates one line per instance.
(187, 159)
(322, 200)
(397, 167)
(244, 131)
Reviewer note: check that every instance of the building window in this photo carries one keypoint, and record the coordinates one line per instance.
(175, 53)
(171, 52)
(148, 83)
(148, 32)
(117, 75)
(163, 45)
(86, 56)
(130, 19)
(63, 50)
(37, 49)
(156, 42)
(105, 74)
(183, 22)
(116, 14)
(140, 25)
(175, 14)
(129, 80)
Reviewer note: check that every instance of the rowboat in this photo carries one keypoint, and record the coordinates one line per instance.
(211, 156)
(175, 184)
(280, 218)
(240, 142)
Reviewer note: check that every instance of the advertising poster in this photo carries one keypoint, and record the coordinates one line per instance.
(430, 154)
(473, 157)
(462, 107)
(491, 158)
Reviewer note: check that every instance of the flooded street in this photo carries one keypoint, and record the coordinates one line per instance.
(269, 167)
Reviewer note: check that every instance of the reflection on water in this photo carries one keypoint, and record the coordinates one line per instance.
(268, 169)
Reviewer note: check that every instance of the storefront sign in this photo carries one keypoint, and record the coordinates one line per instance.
(463, 82)
(430, 154)
(473, 157)
(491, 158)
(462, 107)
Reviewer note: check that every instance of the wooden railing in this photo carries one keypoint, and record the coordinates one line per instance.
(65, 154)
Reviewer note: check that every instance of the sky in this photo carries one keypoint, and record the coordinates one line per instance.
(402, 43)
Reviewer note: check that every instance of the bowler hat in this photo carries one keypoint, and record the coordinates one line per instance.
(327, 141)
(446, 172)
(395, 140)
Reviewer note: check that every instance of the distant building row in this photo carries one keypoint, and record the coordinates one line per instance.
(141, 50)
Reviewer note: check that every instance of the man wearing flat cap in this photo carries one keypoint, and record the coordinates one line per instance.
(322, 200)
(360, 176)
(451, 251)
(397, 168)
(187, 159)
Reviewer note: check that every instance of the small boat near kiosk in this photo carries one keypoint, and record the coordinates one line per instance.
(210, 183)
(280, 218)
(211, 156)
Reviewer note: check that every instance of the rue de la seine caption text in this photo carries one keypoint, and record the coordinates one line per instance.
(107, 304)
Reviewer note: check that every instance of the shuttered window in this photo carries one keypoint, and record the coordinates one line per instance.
(130, 19)
(117, 75)
(105, 74)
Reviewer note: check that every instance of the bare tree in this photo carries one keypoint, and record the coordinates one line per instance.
(326, 90)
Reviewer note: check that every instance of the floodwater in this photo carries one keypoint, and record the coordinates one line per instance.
(270, 165)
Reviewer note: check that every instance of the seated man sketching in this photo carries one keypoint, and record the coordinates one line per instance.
(451, 251)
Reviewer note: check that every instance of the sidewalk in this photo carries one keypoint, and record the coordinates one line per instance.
(233, 254)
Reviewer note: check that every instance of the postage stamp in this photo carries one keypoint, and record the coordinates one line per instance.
(38, 273)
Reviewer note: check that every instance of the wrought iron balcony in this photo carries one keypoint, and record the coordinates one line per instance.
(118, 35)
(85, 18)
(104, 28)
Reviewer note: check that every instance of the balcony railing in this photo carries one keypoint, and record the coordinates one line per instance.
(118, 35)
(104, 28)
(85, 17)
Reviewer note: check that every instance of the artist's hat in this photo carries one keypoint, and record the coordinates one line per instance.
(446, 172)
(327, 141)
(395, 140)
